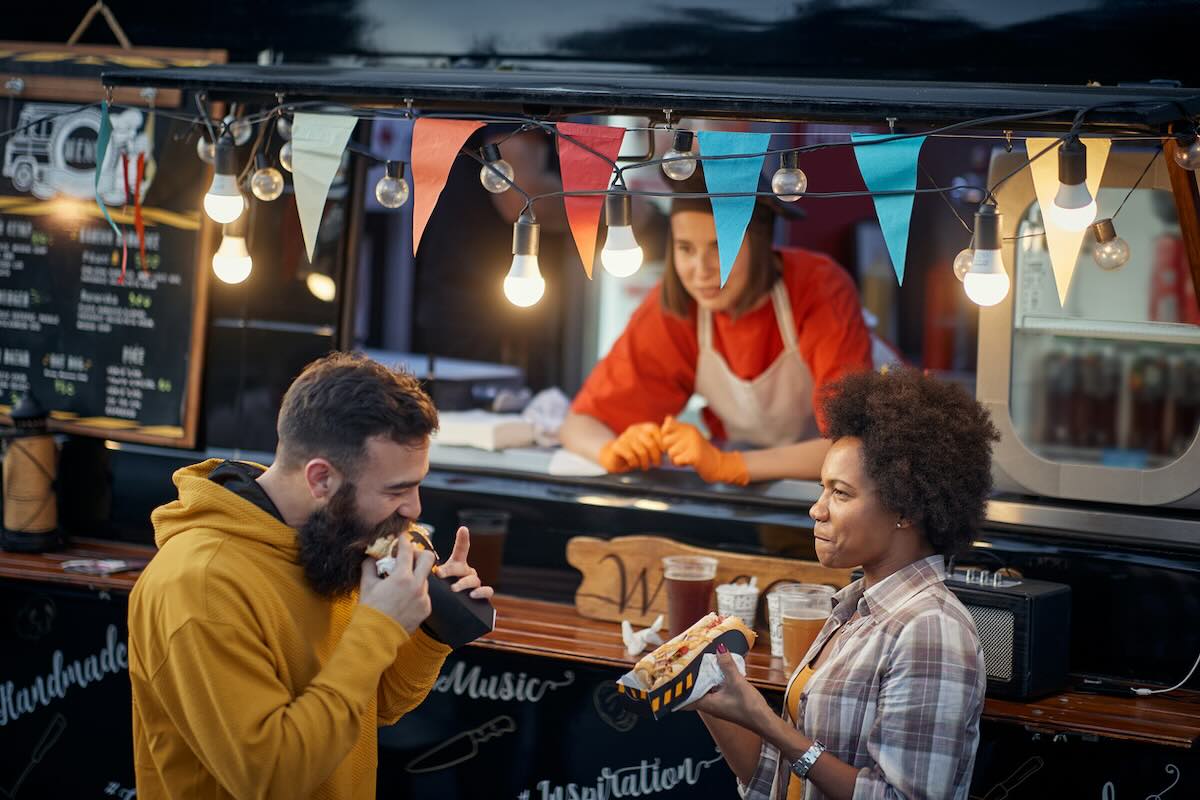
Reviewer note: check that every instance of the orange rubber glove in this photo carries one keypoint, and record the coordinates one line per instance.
(640, 446)
(687, 447)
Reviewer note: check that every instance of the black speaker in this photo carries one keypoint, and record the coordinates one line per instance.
(1024, 629)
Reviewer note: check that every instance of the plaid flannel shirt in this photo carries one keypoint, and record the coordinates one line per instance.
(900, 694)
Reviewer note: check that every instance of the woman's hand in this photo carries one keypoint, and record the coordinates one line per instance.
(687, 447)
(640, 446)
(736, 700)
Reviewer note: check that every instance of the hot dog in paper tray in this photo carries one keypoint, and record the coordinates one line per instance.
(670, 677)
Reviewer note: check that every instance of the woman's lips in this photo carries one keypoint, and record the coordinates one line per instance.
(708, 294)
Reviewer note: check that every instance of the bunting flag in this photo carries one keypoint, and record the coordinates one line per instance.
(102, 139)
(731, 215)
(318, 141)
(583, 171)
(891, 167)
(435, 145)
(1062, 244)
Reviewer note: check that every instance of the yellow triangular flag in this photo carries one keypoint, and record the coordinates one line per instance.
(1063, 244)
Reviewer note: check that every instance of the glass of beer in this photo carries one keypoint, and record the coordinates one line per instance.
(803, 609)
(690, 581)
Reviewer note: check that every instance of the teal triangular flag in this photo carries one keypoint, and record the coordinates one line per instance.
(102, 138)
(732, 214)
(891, 167)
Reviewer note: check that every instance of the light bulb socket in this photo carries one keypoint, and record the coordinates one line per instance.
(225, 156)
(618, 209)
(394, 169)
(987, 228)
(235, 228)
(789, 159)
(526, 236)
(1072, 162)
(490, 153)
(683, 141)
(1104, 231)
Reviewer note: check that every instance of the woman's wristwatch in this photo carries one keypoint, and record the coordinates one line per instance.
(804, 763)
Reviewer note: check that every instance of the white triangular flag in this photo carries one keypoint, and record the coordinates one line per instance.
(318, 141)
(1063, 244)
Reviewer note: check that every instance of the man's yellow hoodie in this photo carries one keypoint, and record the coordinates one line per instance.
(246, 682)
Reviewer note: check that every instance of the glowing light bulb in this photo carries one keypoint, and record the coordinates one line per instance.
(239, 129)
(1187, 152)
(1111, 252)
(1074, 208)
(224, 201)
(986, 282)
(493, 164)
(205, 150)
(621, 255)
(524, 285)
(231, 263)
(267, 182)
(285, 156)
(678, 163)
(962, 262)
(321, 286)
(789, 181)
(392, 190)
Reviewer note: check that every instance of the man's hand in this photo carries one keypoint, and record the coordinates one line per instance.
(403, 595)
(640, 446)
(456, 566)
(687, 447)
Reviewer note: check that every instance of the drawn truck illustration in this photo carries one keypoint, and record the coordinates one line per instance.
(54, 152)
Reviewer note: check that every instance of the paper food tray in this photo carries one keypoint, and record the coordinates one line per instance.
(671, 694)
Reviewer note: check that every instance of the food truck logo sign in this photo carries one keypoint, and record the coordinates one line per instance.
(626, 591)
(53, 152)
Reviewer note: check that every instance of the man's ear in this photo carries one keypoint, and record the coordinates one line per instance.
(322, 478)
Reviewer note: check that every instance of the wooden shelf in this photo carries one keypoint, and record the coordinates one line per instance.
(554, 630)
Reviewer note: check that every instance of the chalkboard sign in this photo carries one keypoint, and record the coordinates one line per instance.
(112, 355)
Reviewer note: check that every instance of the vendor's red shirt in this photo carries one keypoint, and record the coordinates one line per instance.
(651, 370)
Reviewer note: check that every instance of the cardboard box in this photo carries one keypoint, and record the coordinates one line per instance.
(666, 698)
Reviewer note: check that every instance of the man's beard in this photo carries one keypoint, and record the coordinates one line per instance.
(333, 542)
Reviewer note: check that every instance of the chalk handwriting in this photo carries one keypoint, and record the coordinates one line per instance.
(506, 686)
(111, 659)
(640, 780)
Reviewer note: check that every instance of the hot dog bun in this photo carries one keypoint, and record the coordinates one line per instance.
(382, 547)
(673, 657)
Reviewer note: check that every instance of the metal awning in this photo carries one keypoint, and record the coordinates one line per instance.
(1142, 108)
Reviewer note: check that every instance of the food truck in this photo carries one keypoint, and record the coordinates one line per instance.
(1084, 582)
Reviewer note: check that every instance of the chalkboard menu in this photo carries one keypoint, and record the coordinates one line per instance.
(113, 355)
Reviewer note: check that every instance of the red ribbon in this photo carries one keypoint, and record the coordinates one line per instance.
(138, 223)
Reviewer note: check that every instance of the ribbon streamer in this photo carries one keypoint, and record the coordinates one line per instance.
(102, 140)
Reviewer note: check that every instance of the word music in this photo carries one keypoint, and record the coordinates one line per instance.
(505, 686)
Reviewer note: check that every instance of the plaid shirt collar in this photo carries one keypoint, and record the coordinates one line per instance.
(890, 593)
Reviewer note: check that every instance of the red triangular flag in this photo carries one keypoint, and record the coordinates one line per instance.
(582, 171)
(435, 145)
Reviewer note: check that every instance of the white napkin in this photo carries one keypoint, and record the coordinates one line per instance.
(546, 412)
(571, 465)
(709, 677)
(635, 643)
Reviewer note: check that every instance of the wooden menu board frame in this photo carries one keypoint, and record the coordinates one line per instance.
(71, 74)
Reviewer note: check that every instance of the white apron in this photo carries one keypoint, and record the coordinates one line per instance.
(772, 410)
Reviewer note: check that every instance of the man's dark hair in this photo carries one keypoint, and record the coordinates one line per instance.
(340, 401)
(926, 443)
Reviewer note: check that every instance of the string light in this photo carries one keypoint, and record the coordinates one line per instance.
(392, 189)
(494, 170)
(321, 286)
(621, 255)
(1111, 251)
(678, 164)
(962, 262)
(524, 285)
(1074, 208)
(283, 126)
(239, 129)
(789, 181)
(285, 156)
(1187, 152)
(205, 150)
(986, 282)
(267, 182)
(232, 263)
(224, 202)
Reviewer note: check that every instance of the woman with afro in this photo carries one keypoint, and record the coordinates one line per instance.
(886, 702)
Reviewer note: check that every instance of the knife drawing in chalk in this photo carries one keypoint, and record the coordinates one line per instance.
(461, 746)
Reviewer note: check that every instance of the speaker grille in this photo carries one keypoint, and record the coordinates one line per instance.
(995, 627)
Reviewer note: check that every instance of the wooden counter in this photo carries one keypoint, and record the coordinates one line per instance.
(554, 630)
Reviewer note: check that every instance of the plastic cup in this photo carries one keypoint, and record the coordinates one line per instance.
(690, 581)
(488, 529)
(775, 617)
(738, 599)
(802, 613)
